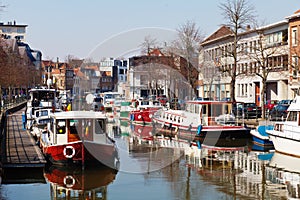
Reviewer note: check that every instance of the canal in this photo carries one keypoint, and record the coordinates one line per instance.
(150, 169)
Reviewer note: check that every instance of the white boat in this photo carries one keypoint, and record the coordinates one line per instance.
(209, 121)
(41, 120)
(78, 137)
(39, 98)
(286, 135)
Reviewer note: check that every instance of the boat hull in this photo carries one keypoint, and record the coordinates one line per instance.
(260, 137)
(79, 153)
(144, 116)
(211, 136)
(285, 143)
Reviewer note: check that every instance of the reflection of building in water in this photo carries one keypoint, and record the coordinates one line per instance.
(283, 175)
(73, 183)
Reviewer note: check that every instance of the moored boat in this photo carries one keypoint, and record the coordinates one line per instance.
(39, 98)
(78, 137)
(208, 121)
(260, 137)
(143, 111)
(286, 135)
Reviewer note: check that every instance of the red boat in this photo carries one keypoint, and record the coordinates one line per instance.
(78, 137)
(144, 112)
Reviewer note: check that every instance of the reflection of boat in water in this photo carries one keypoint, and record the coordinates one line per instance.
(283, 172)
(75, 183)
(78, 137)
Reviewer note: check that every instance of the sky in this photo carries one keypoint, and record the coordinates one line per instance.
(114, 28)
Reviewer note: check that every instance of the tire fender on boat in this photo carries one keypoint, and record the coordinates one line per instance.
(69, 181)
(69, 155)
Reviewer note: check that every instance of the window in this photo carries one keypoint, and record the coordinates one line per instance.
(294, 36)
(99, 126)
(61, 126)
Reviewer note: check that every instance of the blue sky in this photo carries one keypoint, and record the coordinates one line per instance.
(76, 27)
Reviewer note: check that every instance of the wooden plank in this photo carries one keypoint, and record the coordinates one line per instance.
(20, 148)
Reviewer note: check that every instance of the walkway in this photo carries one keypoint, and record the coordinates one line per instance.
(19, 148)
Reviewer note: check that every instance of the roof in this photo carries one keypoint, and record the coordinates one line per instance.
(78, 115)
(220, 33)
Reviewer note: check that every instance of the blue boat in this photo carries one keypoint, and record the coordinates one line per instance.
(260, 136)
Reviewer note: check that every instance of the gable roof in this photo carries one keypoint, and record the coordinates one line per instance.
(222, 32)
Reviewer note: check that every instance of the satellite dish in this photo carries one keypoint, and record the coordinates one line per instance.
(89, 98)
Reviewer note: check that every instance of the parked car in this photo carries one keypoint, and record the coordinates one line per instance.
(248, 110)
(162, 99)
(270, 104)
(251, 110)
(176, 104)
(279, 112)
(286, 101)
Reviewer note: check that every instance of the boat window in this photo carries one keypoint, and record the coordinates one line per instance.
(60, 126)
(178, 119)
(99, 126)
(73, 126)
(292, 116)
(197, 108)
(204, 109)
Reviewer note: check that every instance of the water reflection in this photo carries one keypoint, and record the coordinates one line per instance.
(163, 168)
(283, 175)
(76, 183)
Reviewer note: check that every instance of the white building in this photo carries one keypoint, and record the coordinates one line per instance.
(12, 30)
(271, 40)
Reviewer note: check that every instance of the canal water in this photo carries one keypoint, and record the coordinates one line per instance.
(164, 169)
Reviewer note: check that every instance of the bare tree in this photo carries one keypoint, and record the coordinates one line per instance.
(188, 46)
(238, 14)
(148, 44)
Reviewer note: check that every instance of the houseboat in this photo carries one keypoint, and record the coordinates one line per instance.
(286, 135)
(78, 137)
(208, 121)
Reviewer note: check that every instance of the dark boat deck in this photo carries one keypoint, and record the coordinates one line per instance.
(19, 148)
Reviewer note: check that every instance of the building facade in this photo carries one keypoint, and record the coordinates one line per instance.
(262, 53)
(294, 46)
(12, 30)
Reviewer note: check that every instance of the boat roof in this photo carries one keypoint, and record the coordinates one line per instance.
(295, 104)
(42, 89)
(210, 102)
(78, 115)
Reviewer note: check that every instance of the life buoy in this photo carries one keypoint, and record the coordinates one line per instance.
(150, 115)
(67, 153)
(139, 117)
(69, 181)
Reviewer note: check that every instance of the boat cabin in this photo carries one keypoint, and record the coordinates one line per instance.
(211, 112)
(72, 126)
